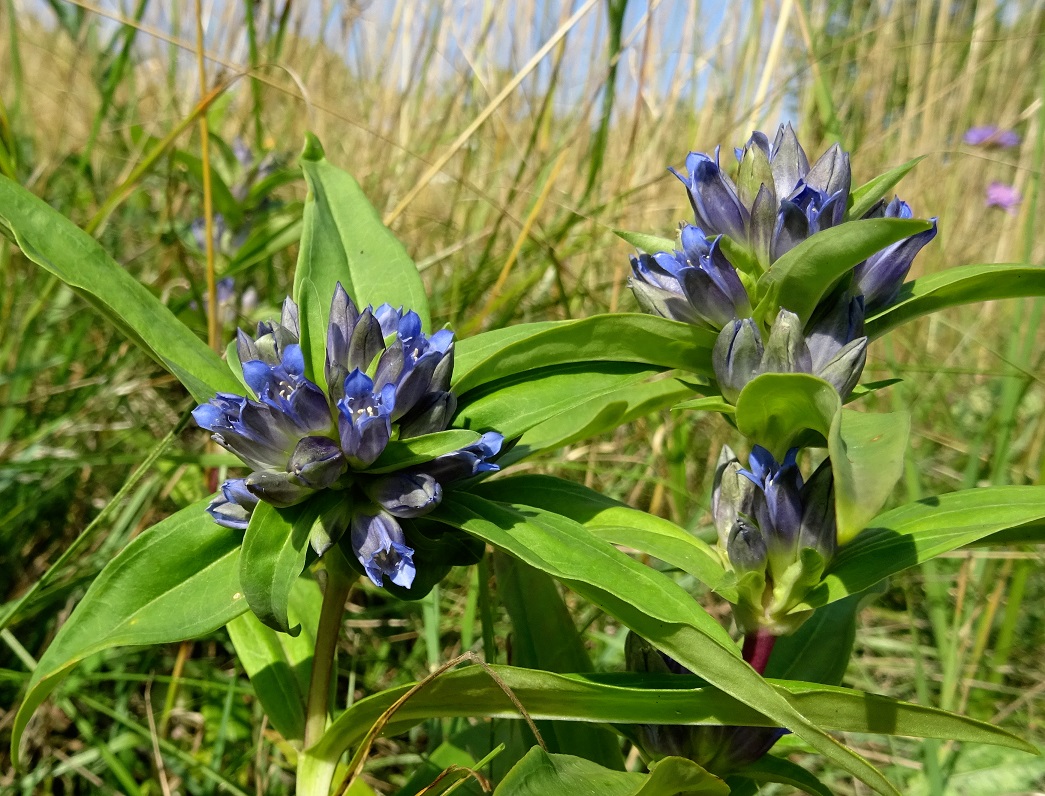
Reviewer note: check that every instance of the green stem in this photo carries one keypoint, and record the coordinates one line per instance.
(339, 581)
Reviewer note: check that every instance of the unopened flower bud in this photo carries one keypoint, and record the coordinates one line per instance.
(737, 357)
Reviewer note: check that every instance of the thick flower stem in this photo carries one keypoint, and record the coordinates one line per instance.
(757, 648)
(339, 580)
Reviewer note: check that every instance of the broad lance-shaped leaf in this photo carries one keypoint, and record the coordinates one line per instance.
(273, 556)
(343, 240)
(804, 275)
(514, 405)
(867, 455)
(611, 521)
(177, 580)
(628, 698)
(965, 284)
(543, 774)
(597, 416)
(57, 245)
(280, 665)
(771, 768)
(643, 600)
(777, 410)
(906, 536)
(545, 637)
(620, 337)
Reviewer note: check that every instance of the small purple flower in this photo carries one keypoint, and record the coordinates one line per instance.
(991, 135)
(1004, 196)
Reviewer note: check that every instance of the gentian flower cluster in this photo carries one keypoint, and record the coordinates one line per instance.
(386, 380)
(767, 519)
(777, 201)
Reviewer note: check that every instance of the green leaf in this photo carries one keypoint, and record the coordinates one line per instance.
(643, 600)
(651, 244)
(799, 279)
(863, 198)
(612, 522)
(343, 240)
(280, 665)
(916, 532)
(777, 769)
(273, 556)
(776, 410)
(544, 637)
(622, 337)
(543, 774)
(57, 245)
(177, 580)
(597, 416)
(515, 405)
(629, 698)
(707, 403)
(418, 450)
(966, 284)
(867, 456)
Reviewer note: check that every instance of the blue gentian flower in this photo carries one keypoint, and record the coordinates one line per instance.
(880, 276)
(696, 284)
(386, 380)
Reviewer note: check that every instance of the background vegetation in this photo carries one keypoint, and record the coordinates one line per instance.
(505, 174)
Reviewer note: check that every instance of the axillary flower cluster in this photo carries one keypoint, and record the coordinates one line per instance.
(386, 380)
(777, 530)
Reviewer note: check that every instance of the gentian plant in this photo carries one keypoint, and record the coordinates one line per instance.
(373, 448)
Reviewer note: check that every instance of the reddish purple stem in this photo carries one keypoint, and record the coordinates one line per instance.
(757, 648)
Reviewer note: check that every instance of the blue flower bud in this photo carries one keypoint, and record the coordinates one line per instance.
(737, 357)
(470, 460)
(818, 528)
(788, 160)
(732, 495)
(406, 494)
(233, 505)
(713, 197)
(380, 546)
(746, 548)
(277, 488)
(317, 462)
(880, 276)
(786, 350)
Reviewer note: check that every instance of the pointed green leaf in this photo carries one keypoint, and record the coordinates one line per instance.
(177, 580)
(543, 774)
(343, 240)
(57, 245)
(646, 602)
(651, 244)
(545, 637)
(629, 698)
(612, 522)
(863, 198)
(906, 536)
(273, 556)
(623, 337)
(280, 665)
(783, 771)
(965, 284)
(799, 279)
(867, 455)
(514, 405)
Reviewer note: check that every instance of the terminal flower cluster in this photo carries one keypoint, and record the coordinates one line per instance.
(386, 380)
